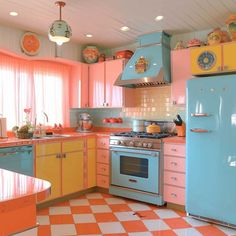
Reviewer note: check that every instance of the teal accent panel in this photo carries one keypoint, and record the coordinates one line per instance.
(148, 39)
(154, 56)
(98, 114)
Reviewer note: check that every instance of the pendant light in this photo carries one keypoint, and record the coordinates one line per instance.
(59, 32)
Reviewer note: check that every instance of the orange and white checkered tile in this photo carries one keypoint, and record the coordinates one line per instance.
(97, 214)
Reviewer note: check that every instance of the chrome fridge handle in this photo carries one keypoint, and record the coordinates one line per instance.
(199, 114)
(200, 130)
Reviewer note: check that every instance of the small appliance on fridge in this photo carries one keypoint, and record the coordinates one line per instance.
(211, 149)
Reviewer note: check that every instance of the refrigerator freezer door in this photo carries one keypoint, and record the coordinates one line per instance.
(211, 155)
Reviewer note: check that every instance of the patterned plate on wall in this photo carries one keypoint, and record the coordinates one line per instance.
(30, 44)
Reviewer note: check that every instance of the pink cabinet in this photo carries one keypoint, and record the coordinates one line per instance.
(113, 94)
(103, 162)
(96, 85)
(174, 173)
(79, 86)
(180, 72)
(102, 92)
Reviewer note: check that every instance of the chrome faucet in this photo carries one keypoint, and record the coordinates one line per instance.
(46, 116)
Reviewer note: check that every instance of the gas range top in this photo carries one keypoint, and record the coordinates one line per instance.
(140, 140)
(133, 134)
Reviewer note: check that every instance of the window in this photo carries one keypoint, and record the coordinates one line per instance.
(40, 85)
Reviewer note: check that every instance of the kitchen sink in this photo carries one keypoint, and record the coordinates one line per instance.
(54, 136)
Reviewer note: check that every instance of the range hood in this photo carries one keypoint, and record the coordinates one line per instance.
(150, 64)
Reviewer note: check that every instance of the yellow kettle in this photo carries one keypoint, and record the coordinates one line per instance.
(153, 128)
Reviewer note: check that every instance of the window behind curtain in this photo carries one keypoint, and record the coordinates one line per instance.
(51, 83)
(40, 85)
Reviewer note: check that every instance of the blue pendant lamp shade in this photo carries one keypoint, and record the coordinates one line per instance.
(59, 32)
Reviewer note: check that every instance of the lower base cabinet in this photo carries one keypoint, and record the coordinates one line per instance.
(174, 173)
(103, 161)
(62, 164)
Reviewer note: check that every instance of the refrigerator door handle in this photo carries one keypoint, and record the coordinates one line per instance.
(199, 114)
(200, 130)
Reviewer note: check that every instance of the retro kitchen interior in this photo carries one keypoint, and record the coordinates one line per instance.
(117, 118)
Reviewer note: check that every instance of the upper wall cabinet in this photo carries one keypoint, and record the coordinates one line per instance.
(180, 72)
(213, 59)
(102, 76)
(79, 86)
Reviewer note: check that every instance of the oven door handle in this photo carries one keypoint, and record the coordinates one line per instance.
(146, 153)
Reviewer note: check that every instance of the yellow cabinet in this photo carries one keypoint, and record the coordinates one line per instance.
(213, 59)
(229, 52)
(72, 172)
(61, 163)
(206, 60)
(48, 166)
(91, 162)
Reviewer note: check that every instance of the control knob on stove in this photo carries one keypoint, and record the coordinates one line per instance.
(131, 143)
(122, 143)
(149, 145)
(145, 145)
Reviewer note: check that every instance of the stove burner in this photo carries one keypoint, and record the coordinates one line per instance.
(133, 134)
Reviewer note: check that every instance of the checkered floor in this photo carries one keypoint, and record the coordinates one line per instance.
(103, 214)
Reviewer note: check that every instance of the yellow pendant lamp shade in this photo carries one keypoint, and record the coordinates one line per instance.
(60, 32)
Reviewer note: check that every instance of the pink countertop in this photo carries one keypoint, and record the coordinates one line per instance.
(14, 186)
(175, 139)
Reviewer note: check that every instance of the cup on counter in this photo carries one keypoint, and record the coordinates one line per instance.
(181, 130)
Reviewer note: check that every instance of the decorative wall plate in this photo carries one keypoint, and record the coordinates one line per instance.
(206, 60)
(30, 43)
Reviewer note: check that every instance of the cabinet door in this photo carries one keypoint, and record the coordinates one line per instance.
(79, 86)
(229, 52)
(113, 94)
(203, 55)
(91, 167)
(72, 172)
(49, 168)
(96, 84)
(180, 72)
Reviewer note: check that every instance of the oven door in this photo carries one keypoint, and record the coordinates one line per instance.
(136, 169)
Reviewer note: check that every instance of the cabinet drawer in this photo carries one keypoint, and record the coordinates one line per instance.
(173, 178)
(103, 181)
(174, 164)
(103, 156)
(71, 146)
(48, 149)
(102, 169)
(174, 195)
(103, 143)
(174, 149)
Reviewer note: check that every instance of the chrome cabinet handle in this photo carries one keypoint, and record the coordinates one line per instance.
(58, 155)
(199, 114)
(200, 130)
(173, 194)
(174, 178)
(174, 149)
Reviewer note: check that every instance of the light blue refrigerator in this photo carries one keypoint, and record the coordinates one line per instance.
(211, 148)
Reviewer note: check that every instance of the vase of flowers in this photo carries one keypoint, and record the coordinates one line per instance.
(27, 130)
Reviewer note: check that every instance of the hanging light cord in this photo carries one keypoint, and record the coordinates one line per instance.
(60, 5)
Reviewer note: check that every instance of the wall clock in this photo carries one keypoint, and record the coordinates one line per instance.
(30, 44)
(206, 60)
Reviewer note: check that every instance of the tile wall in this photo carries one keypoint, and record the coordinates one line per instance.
(152, 104)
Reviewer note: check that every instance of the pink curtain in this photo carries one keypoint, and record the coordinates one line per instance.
(42, 86)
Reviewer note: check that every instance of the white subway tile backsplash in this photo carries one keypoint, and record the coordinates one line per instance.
(154, 103)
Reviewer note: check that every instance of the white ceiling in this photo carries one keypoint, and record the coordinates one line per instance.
(103, 18)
